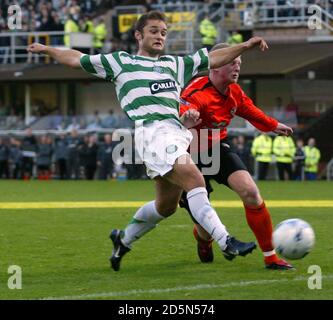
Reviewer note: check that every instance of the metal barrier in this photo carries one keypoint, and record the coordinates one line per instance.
(15, 44)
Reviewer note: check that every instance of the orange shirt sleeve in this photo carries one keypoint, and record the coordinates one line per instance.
(247, 110)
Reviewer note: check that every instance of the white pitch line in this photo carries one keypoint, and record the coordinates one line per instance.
(140, 292)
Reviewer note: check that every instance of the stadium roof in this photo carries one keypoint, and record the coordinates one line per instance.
(281, 60)
(290, 59)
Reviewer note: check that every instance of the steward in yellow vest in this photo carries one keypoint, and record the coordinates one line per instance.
(235, 38)
(312, 157)
(262, 152)
(208, 33)
(100, 33)
(284, 149)
(70, 26)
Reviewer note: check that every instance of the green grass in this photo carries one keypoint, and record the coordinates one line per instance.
(64, 252)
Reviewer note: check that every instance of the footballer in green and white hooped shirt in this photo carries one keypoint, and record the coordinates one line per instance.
(148, 86)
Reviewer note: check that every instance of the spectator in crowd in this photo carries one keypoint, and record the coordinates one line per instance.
(89, 156)
(96, 122)
(208, 32)
(291, 112)
(61, 156)
(110, 121)
(4, 159)
(104, 157)
(278, 109)
(100, 33)
(29, 148)
(15, 158)
(44, 158)
(73, 161)
(299, 160)
(57, 26)
(133, 164)
(74, 125)
(235, 38)
(243, 150)
(312, 157)
(262, 152)
(292, 106)
(284, 150)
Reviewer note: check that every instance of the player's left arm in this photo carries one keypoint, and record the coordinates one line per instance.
(249, 111)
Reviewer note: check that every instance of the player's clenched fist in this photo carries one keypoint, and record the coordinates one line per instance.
(36, 48)
(257, 41)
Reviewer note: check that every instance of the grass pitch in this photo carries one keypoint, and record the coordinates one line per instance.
(63, 252)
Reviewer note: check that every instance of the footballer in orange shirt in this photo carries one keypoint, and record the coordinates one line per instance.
(218, 98)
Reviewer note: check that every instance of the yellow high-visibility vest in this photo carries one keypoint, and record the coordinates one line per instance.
(262, 148)
(208, 32)
(70, 26)
(312, 157)
(100, 35)
(284, 149)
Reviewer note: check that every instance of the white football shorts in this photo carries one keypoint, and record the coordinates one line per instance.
(160, 143)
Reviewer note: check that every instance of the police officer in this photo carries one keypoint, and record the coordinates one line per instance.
(262, 152)
(312, 157)
(284, 150)
(104, 157)
(208, 33)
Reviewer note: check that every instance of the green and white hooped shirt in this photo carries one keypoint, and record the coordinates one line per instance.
(148, 89)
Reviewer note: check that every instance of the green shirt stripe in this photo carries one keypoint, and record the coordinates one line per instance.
(204, 62)
(148, 100)
(188, 66)
(133, 84)
(149, 117)
(107, 67)
(87, 65)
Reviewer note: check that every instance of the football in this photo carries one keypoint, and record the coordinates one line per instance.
(293, 238)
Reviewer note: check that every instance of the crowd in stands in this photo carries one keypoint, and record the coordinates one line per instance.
(67, 156)
(90, 156)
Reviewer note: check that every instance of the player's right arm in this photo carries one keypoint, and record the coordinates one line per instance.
(67, 57)
(221, 57)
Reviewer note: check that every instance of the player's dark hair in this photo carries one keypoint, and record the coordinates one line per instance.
(151, 15)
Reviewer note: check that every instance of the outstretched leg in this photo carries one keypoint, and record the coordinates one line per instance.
(145, 219)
